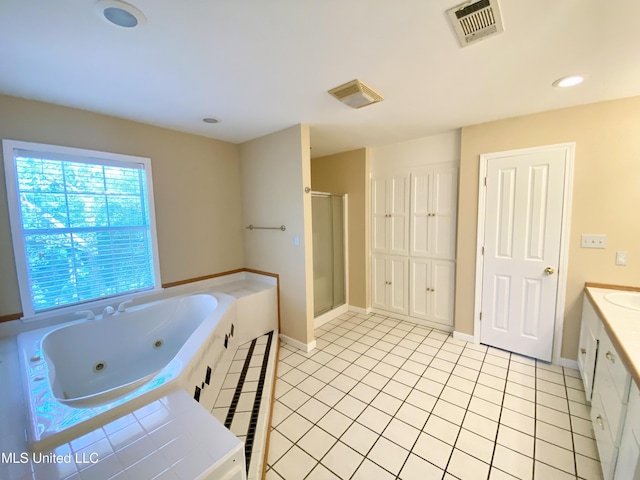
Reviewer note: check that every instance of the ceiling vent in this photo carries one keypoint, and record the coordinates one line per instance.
(356, 94)
(475, 21)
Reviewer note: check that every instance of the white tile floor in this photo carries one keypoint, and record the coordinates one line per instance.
(382, 399)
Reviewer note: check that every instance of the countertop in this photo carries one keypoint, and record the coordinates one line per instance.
(621, 324)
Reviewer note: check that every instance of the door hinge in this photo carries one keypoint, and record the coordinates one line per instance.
(482, 250)
(480, 316)
(485, 181)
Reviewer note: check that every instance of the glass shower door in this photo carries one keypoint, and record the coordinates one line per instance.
(328, 252)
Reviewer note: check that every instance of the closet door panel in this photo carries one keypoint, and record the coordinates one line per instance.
(420, 272)
(444, 208)
(441, 296)
(421, 215)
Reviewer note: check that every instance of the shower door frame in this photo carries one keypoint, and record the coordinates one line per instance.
(335, 312)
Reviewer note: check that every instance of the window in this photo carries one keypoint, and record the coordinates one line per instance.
(82, 224)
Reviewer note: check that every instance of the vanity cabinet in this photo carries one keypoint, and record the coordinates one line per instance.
(608, 403)
(628, 463)
(614, 396)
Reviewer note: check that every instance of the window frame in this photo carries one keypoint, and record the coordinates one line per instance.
(17, 234)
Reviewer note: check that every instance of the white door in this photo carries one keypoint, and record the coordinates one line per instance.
(523, 224)
(398, 207)
(433, 212)
(379, 281)
(432, 284)
(420, 289)
(398, 288)
(389, 279)
(379, 215)
(442, 286)
(390, 218)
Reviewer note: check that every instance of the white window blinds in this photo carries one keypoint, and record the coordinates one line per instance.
(85, 224)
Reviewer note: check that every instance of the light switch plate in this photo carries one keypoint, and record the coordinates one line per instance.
(593, 241)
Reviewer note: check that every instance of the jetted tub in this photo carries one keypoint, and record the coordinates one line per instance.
(96, 361)
(83, 374)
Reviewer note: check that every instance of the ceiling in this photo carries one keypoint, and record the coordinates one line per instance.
(261, 66)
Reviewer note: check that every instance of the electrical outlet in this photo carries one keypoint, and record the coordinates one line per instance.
(593, 241)
(621, 258)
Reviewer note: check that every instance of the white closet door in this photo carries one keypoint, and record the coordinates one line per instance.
(398, 208)
(398, 288)
(419, 283)
(444, 182)
(379, 217)
(433, 212)
(441, 294)
(379, 281)
(421, 214)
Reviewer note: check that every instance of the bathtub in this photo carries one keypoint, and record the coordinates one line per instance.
(83, 374)
(96, 361)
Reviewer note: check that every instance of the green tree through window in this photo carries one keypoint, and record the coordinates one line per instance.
(85, 227)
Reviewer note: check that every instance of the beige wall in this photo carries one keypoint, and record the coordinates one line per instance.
(606, 195)
(196, 187)
(274, 170)
(348, 173)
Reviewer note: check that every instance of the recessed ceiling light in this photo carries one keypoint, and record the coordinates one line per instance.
(569, 81)
(120, 13)
(210, 120)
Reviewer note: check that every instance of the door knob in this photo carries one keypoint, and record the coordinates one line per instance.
(549, 270)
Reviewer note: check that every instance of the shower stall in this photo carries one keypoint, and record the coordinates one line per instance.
(329, 276)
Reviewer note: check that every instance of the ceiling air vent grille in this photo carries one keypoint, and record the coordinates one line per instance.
(475, 21)
(356, 94)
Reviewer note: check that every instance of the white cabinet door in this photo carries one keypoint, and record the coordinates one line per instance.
(442, 278)
(628, 464)
(588, 347)
(398, 206)
(389, 283)
(379, 217)
(433, 212)
(431, 293)
(379, 282)
(419, 280)
(390, 216)
(421, 215)
(444, 194)
(398, 287)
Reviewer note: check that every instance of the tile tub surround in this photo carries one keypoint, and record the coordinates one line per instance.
(170, 438)
(381, 398)
(52, 422)
(12, 439)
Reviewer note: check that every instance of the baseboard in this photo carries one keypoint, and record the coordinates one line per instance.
(305, 347)
(363, 311)
(330, 315)
(568, 363)
(417, 321)
(465, 337)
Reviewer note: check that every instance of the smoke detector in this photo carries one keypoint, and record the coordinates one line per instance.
(475, 21)
(356, 94)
